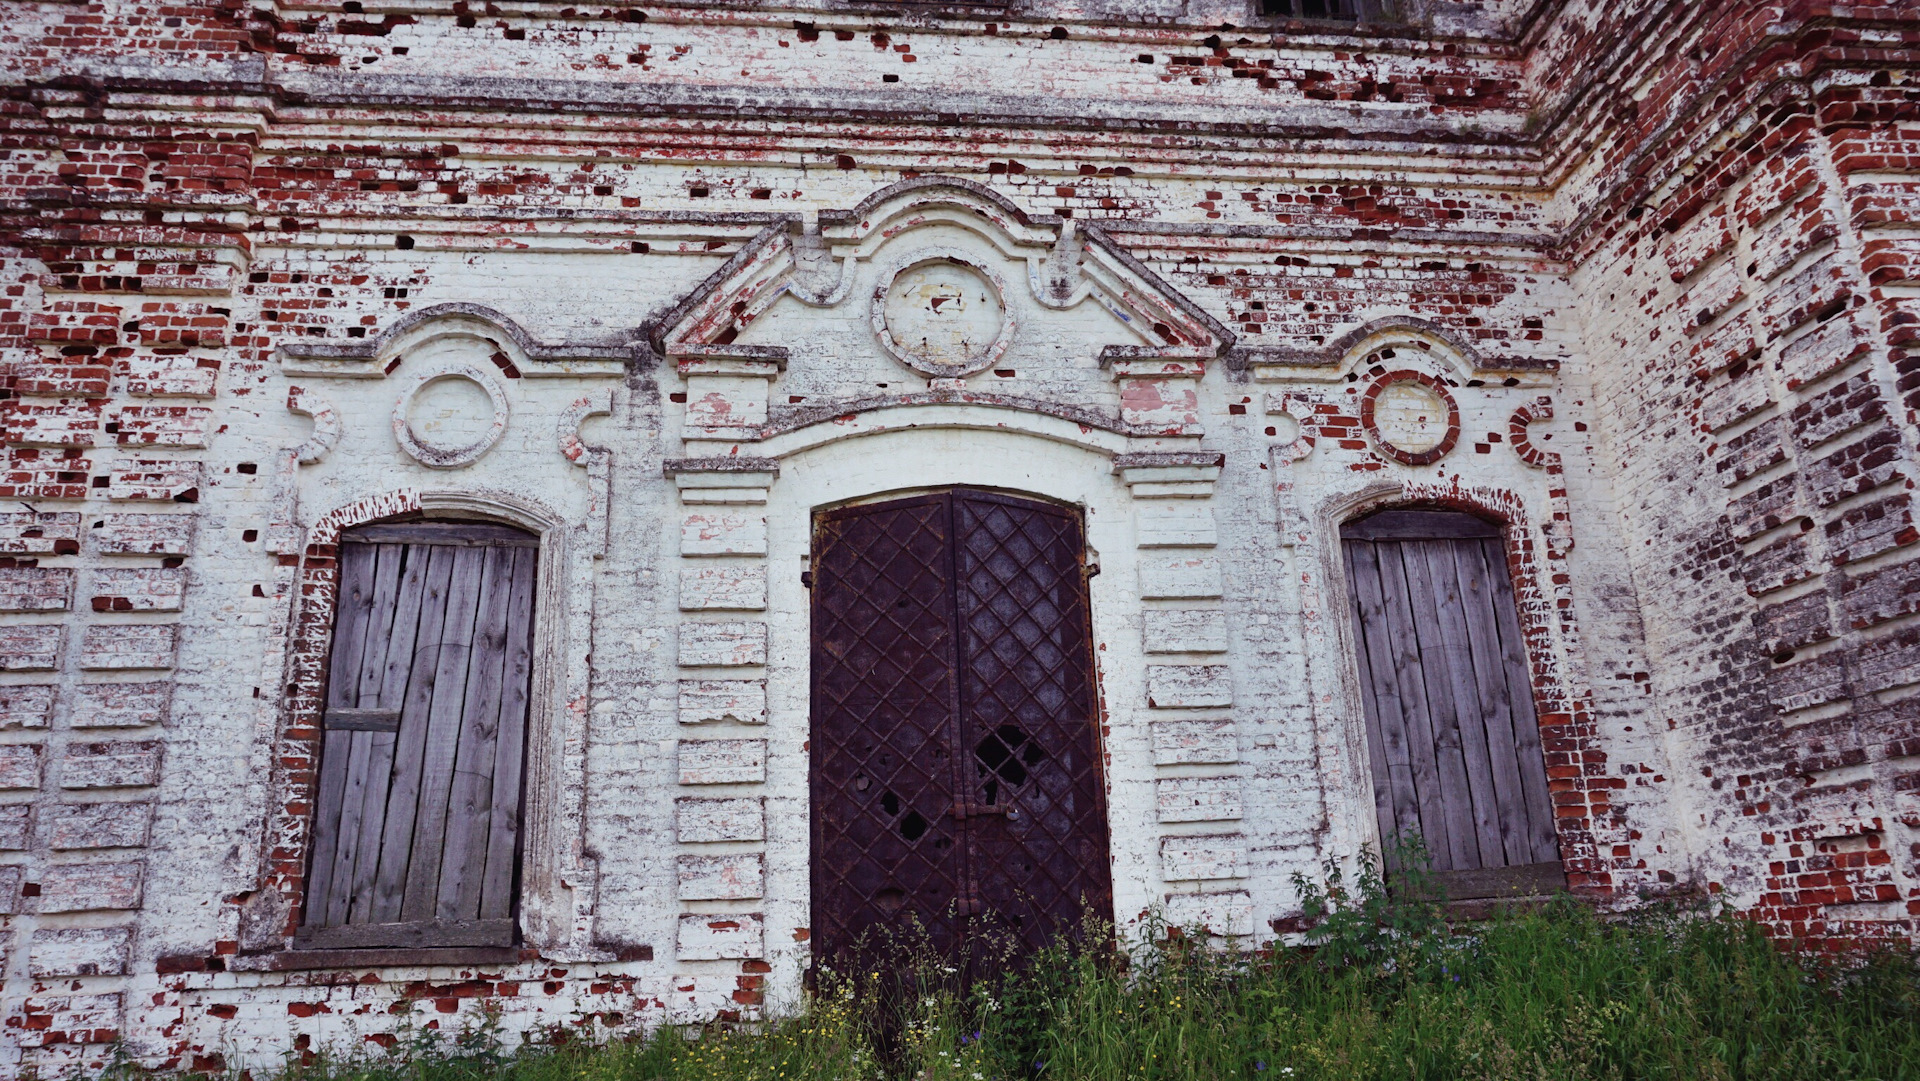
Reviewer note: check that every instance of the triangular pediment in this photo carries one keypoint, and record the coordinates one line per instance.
(937, 272)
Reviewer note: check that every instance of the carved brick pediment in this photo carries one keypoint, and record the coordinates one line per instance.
(1065, 262)
(939, 285)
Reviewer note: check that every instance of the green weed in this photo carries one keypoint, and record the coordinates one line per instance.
(1382, 987)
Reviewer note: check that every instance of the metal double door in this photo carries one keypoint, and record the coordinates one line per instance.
(956, 777)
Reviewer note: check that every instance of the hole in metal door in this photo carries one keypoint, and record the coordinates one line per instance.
(955, 765)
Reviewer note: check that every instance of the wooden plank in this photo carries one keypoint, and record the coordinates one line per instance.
(1456, 794)
(1545, 841)
(334, 749)
(371, 770)
(1404, 669)
(1478, 607)
(389, 559)
(409, 605)
(353, 610)
(1523, 880)
(1393, 717)
(452, 651)
(304, 960)
(446, 534)
(373, 818)
(412, 933)
(510, 765)
(353, 598)
(353, 804)
(1384, 691)
(469, 799)
(386, 680)
(421, 670)
(1445, 653)
(1393, 525)
(362, 720)
(1376, 743)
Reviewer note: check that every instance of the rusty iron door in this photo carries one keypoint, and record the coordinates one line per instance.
(955, 760)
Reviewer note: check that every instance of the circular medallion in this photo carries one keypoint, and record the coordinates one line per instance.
(448, 419)
(941, 315)
(1411, 417)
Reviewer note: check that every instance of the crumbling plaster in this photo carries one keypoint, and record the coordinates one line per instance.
(1630, 241)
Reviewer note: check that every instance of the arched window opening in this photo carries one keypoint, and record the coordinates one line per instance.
(416, 829)
(1452, 739)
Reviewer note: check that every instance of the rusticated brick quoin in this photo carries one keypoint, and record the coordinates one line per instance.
(145, 534)
(16, 827)
(141, 589)
(98, 825)
(30, 647)
(30, 533)
(112, 764)
(90, 887)
(88, 951)
(128, 646)
(35, 589)
(20, 764)
(158, 480)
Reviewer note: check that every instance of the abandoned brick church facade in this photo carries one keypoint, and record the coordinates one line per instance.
(583, 509)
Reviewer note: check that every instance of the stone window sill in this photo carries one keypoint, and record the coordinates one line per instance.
(297, 960)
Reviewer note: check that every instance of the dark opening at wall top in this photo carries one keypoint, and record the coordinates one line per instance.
(1309, 9)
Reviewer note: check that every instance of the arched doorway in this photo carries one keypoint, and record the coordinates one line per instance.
(418, 813)
(1452, 738)
(955, 771)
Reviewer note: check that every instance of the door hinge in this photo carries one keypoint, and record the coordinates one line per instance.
(806, 579)
(968, 906)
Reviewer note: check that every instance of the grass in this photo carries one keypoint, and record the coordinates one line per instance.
(1383, 989)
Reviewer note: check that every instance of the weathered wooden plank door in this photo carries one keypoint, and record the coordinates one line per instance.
(1452, 739)
(416, 831)
(955, 769)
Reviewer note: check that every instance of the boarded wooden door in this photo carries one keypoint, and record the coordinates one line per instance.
(1451, 734)
(417, 821)
(955, 769)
